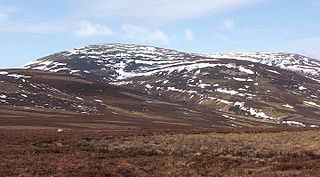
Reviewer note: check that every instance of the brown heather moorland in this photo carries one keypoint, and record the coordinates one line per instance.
(278, 152)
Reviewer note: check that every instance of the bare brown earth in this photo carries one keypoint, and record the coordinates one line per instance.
(43, 151)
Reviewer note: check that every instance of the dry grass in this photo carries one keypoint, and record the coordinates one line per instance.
(102, 153)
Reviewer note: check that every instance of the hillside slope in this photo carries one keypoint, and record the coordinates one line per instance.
(234, 88)
(59, 100)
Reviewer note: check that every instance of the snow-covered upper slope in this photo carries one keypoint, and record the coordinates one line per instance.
(289, 61)
(121, 52)
(128, 60)
(118, 61)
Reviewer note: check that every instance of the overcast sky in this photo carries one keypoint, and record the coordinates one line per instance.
(30, 29)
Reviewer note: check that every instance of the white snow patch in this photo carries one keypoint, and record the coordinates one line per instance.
(192, 91)
(204, 85)
(24, 95)
(288, 106)
(3, 73)
(258, 114)
(3, 96)
(291, 122)
(302, 88)
(18, 76)
(79, 98)
(240, 79)
(230, 92)
(311, 103)
(148, 86)
(314, 96)
(276, 72)
(245, 70)
(252, 111)
(122, 83)
(165, 81)
(229, 117)
(34, 86)
(74, 71)
(99, 101)
(176, 90)
(243, 79)
(224, 101)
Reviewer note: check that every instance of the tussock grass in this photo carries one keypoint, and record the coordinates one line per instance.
(102, 153)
